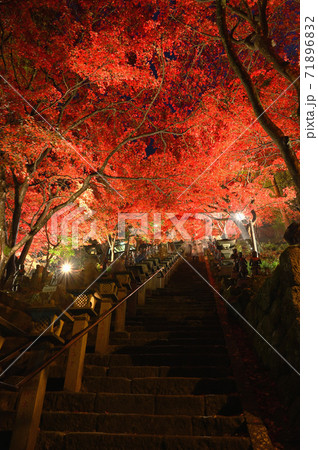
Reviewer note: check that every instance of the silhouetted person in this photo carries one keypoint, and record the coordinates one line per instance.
(195, 253)
(235, 257)
(18, 278)
(255, 263)
(242, 265)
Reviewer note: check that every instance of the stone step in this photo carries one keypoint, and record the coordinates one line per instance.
(173, 291)
(169, 326)
(178, 302)
(58, 371)
(150, 359)
(215, 340)
(184, 341)
(196, 405)
(173, 307)
(166, 371)
(170, 305)
(147, 371)
(186, 320)
(50, 440)
(174, 318)
(193, 334)
(134, 371)
(95, 371)
(188, 296)
(182, 296)
(174, 327)
(160, 385)
(155, 309)
(172, 349)
(164, 346)
(144, 424)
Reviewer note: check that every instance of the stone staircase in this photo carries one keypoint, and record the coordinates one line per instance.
(166, 384)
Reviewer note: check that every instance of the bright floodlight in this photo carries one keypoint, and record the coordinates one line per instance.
(240, 216)
(66, 268)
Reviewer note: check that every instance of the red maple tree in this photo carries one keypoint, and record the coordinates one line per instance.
(122, 108)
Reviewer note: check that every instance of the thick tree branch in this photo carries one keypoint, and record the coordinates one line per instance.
(259, 40)
(282, 141)
(48, 212)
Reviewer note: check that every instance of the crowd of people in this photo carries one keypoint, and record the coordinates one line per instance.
(193, 249)
(241, 264)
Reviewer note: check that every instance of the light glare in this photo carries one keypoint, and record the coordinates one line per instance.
(240, 216)
(66, 268)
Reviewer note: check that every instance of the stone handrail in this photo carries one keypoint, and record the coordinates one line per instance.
(29, 408)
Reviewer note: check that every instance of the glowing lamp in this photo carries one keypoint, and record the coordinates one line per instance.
(240, 216)
(66, 268)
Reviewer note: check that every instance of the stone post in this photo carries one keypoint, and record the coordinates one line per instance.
(29, 412)
(103, 328)
(149, 287)
(154, 284)
(167, 276)
(76, 356)
(132, 305)
(120, 313)
(141, 296)
(160, 281)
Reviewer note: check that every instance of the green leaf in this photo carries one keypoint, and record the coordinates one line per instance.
(7, 250)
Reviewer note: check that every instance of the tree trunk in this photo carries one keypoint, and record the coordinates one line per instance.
(11, 267)
(3, 265)
(263, 44)
(4, 248)
(112, 250)
(44, 217)
(19, 195)
(278, 194)
(25, 251)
